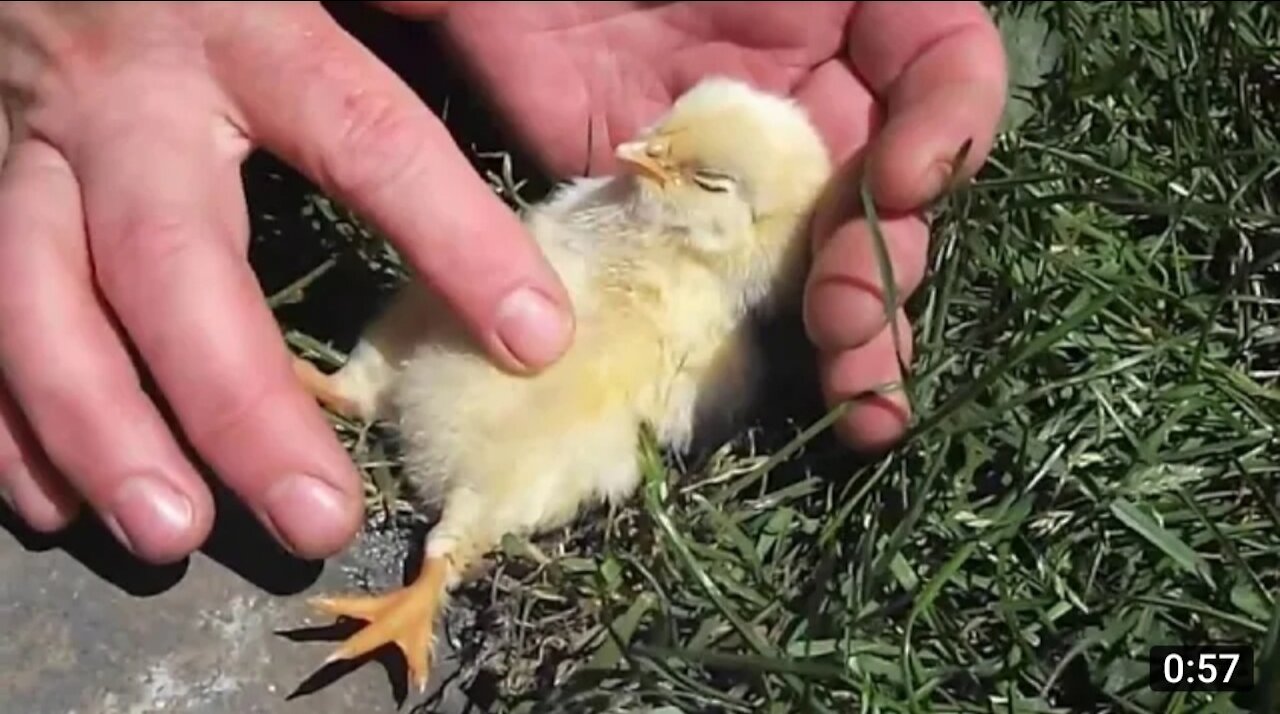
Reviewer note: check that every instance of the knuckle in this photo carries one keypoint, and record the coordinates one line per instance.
(10, 462)
(380, 142)
(90, 425)
(147, 243)
(227, 410)
(67, 420)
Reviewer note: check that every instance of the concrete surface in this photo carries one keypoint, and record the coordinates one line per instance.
(85, 629)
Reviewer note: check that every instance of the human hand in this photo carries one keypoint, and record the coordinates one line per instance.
(897, 87)
(123, 226)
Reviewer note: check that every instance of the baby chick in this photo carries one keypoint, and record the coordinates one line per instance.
(665, 264)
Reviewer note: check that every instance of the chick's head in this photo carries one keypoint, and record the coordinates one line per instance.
(731, 170)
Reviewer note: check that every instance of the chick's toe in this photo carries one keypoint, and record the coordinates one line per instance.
(405, 617)
(323, 389)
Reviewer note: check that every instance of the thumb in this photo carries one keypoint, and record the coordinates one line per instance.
(940, 69)
(319, 99)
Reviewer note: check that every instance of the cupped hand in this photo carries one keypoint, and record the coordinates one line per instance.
(123, 230)
(896, 87)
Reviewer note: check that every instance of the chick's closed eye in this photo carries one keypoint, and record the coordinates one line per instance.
(713, 180)
(724, 136)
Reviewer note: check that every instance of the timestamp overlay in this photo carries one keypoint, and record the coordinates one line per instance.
(1201, 668)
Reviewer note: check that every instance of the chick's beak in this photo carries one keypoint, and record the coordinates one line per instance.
(634, 156)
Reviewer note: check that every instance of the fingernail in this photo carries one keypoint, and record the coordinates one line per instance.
(532, 327)
(149, 515)
(309, 515)
(942, 179)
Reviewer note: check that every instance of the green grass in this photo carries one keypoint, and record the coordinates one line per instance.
(1092, 471)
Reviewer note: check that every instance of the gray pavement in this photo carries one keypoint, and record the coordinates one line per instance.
(85, 629)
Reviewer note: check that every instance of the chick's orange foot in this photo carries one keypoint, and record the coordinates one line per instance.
(405, 617)
(322, 388)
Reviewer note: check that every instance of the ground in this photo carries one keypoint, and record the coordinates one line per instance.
(87, 631)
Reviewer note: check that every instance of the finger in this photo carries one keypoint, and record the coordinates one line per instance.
(870, 375)
(939, 68)
(71, 376)
(412, 8)
(841, 108)
(845, 296)
(4, 134)
(329, 107)
(167, 227)
(28, 482)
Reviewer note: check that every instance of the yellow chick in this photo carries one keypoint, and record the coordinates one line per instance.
(665, 264)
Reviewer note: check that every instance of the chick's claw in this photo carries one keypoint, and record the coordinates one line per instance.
(404, 617)
(322, 388)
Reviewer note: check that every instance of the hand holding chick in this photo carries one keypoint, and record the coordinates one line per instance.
(665, 263)
(895, 88)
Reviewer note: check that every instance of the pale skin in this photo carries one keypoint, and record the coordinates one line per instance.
(123, 225)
